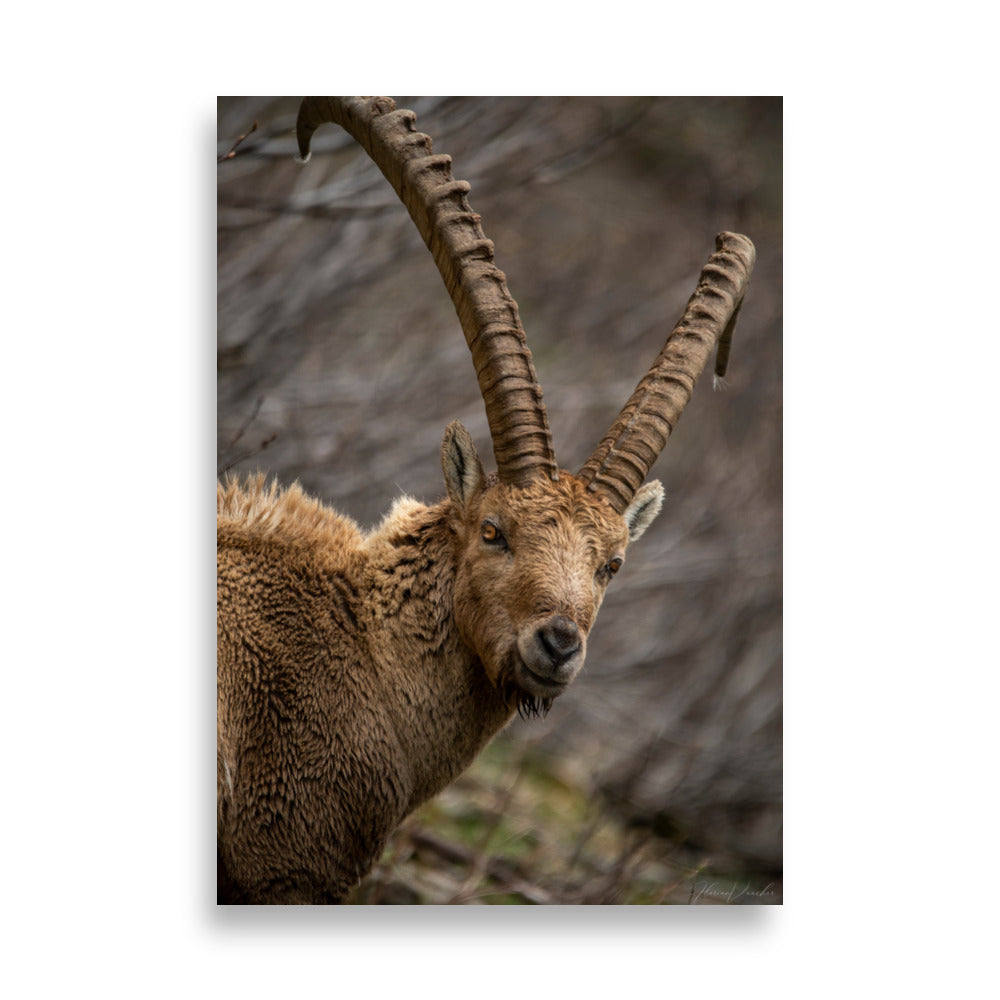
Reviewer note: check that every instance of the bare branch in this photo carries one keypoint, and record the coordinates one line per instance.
(232, 149)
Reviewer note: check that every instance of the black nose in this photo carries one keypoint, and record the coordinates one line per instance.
(559, 638)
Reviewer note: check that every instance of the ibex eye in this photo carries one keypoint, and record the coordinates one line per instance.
(613, 565)
(492, 535)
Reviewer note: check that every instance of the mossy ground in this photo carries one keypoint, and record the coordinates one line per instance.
(517, 829)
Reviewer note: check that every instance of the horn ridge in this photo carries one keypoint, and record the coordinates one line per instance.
(628, 450)
(452, 231)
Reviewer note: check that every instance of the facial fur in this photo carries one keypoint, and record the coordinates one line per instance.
(533, 565)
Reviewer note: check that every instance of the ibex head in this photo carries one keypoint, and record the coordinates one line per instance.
(533, 562)
(535, 547)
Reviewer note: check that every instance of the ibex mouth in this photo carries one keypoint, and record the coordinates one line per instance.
(527, 688)
(535, 684)
(530, 694)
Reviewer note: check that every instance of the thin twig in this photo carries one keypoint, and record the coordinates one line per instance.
(232, 149)
(246, 423)
(504, 872)
(249, 453)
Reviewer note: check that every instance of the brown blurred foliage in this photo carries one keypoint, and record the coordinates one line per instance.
(340, 361)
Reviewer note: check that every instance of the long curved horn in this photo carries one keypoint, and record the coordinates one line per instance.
(622, 460)
(437, 203)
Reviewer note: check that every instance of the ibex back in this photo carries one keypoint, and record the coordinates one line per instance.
(358, 674)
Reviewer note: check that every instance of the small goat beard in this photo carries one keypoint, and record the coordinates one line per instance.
(528, 706)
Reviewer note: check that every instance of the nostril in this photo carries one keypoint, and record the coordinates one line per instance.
(560, 639)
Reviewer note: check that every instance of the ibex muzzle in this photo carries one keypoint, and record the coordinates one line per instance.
(553, 652)
(549, 656)
(360, 673)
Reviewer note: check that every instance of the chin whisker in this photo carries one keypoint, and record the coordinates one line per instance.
(530, 706)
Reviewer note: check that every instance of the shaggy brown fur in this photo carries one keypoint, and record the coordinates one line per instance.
(358, 674)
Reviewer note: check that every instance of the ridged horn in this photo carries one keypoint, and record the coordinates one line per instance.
(625, 455)
(438, 205)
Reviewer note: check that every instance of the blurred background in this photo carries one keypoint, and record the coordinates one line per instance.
(657, 777)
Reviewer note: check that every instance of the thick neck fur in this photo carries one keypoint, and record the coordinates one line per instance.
(443, 706)
(345, 695)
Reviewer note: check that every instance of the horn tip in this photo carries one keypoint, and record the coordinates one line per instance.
(736, 243)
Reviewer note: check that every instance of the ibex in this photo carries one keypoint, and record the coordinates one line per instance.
(359, 673)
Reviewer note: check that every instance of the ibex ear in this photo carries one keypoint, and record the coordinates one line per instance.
(463, 472)
(643, 509)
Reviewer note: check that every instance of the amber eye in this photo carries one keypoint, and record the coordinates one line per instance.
(613, 565)
(492, 535)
